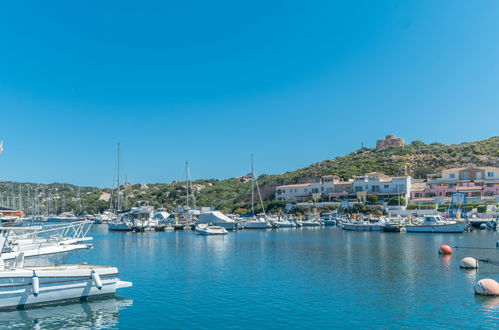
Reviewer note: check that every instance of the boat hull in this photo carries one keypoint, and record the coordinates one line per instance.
(256, 225)
(56, 285)
(118, 227)
(448, 228)
(362, 227)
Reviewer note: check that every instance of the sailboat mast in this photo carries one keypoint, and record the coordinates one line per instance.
(252, 187)
(118, 204)
(187, 184)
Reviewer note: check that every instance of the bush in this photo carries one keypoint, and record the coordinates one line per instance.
(372, 199)
(395, 201)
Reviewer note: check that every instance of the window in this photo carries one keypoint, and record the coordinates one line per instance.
(374, 188)
(466, 176)
(329, 190)
(305, 190)
(452, 175)
(490, 174)
(358, 188)
(387, 186)
(315, 190)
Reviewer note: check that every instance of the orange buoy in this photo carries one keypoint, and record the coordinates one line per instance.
(487, 287)
(445, 250)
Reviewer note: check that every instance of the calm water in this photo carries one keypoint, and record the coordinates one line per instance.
(296, 278)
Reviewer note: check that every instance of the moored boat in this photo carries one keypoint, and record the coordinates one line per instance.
(436, 224)
(207, 229)
(28, 287)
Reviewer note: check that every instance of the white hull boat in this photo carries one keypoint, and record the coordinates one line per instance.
(309, 223)
(436, 224)
(284, 224)
(206, 229)
(363, 226)
(34, 286)
(457, 227)
(256, 224)
(119, 226)
(218, 219)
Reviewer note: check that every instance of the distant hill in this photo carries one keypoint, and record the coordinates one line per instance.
(416, 159)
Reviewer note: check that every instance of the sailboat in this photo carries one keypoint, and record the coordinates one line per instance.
(260, 221)
(120, 223)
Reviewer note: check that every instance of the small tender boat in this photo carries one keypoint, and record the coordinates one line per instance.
(27, 287)
(436, 224)
(207, 229)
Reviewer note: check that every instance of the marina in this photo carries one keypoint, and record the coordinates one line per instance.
(308, 277)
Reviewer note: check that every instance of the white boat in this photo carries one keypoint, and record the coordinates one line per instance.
(308, 223)
(217, 218)
(42, 246)
(33, 286)
(256, 223)
(283, 223)
(363, 226)
(436, 224)
(118, 225)
(207, 229)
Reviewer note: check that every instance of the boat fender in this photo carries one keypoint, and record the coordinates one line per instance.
(469, 263)
(36, 285)
(445, 250)
(487, 287)
(483, 226)
(97, 280)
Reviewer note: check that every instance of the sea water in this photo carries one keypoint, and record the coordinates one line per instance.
(288, 278)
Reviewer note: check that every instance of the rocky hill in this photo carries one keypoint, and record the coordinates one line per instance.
(416, 159)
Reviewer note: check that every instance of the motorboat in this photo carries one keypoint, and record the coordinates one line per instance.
(283, 223)
(42, 246)
(118, 225)
(27, 287)
(64, 217)
(309, 223)
(217, 218)
(207, 229)
(256, 223)
(329, 218)
(365, 224)
(435, 224)
(136, 219)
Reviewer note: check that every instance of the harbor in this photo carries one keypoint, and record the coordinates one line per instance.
(305, 277)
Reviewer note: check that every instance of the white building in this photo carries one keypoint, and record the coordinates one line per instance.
(331, 187)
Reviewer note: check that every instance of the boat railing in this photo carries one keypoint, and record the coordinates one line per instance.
(57, 232)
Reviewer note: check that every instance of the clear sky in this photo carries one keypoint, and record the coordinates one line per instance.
(294, 82)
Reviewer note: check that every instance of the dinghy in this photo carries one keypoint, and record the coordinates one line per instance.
(207, 229)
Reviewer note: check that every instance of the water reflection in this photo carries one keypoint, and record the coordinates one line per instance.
(95, 314)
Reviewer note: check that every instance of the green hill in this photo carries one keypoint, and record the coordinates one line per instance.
(416, 159)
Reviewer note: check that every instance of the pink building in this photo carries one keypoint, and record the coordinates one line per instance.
(479, 184)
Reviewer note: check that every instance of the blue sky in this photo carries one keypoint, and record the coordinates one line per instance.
(213, 81)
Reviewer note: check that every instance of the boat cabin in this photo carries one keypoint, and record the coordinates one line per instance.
(433, 220)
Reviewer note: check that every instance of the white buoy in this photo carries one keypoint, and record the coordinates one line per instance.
(483, 226)
(469, 263)
(487, 287)
(36, 285)
(97, 280)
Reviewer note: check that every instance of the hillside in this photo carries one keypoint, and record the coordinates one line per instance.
(416, 159)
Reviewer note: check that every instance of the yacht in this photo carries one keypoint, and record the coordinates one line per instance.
(42, 246)
(27, 287)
